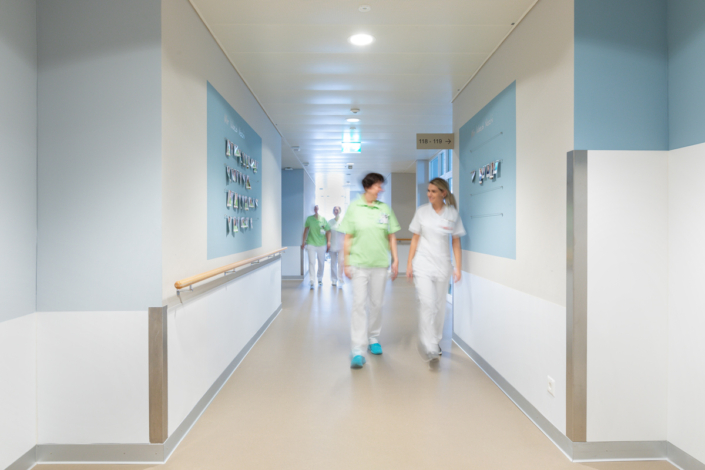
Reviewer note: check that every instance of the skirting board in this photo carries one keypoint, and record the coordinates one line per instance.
(25, 462)
(584, 451)
(292, 278)
(137, 453)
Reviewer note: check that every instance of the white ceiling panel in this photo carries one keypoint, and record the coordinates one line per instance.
(295, 56)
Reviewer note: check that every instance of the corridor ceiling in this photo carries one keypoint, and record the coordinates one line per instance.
(296, 58)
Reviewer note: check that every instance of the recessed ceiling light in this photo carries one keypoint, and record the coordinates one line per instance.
(353, 120)
(365, 8)
(361, 39)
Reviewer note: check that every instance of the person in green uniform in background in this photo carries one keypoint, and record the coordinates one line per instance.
(369, 226)
(317, 242)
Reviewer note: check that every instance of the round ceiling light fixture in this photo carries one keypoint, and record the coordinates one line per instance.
(365, 8)
(353, 120)
(361, 39)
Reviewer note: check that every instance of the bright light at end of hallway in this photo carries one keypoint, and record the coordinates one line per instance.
(361, 39)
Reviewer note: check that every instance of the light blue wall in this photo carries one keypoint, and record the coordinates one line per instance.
(686, 72)
(99, 140)
(18, 157)
(621, 75)
(489, 136)
(292, 207)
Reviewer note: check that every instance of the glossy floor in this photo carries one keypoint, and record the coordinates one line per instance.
(294, 402)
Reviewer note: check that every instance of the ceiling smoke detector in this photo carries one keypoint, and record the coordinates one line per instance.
(295, 148)
(365, 8)
(354, 110)
(350, 166)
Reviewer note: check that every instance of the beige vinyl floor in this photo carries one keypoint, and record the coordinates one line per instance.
(294, 402)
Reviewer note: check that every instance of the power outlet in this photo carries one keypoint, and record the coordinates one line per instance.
(551, 386)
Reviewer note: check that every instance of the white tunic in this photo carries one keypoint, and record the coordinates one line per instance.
(432, 256)
(337, 238)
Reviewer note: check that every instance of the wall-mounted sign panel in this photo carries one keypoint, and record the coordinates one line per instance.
(234, 167)
(435, 141)
(487, 190)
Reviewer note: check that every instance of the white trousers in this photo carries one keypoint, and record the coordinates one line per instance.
(431, 294)
(367, 285)
(336, 266)
(313, 253)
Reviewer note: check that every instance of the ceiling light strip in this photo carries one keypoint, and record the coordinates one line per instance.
(494, 50)
(227, 56)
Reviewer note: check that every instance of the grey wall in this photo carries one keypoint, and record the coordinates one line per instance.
(404, 200)
(292, 207)
(309, 199)
(99, 137)
(18, 157)
(421, 182)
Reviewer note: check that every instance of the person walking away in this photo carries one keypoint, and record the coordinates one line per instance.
(369, 226)
(337, 240)
(317, 241)
(429, 262)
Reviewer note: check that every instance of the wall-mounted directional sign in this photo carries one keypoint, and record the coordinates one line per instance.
(435, 141)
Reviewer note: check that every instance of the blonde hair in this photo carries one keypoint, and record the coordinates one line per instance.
(442, 185)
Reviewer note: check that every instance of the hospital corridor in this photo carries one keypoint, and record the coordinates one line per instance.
(352, 234)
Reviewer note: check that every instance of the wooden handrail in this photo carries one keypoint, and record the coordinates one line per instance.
(214, 272)
(403, 239)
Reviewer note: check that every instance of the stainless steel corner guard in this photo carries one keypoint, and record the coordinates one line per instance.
(576, 297)
(158, 376)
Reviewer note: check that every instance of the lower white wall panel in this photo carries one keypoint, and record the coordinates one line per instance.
(206, 333)
(92, 377)
(291, 261)
(18, 388)
(519, 335)
(686, 322)
(627, 296)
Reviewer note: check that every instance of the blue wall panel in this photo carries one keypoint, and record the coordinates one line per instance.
(292, 207)
(225, 123)
(621, 75)
(489, 136)
(686, 73)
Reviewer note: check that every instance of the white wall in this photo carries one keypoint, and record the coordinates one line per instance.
(686, 322)
(190, 59)
(18, 157)
(92, 377)
(627, 358)
(18, 388)
(206, 333)
(99, 155)
(518, 325)
(482, 311)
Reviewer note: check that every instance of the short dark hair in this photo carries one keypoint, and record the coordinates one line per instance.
(370, 179)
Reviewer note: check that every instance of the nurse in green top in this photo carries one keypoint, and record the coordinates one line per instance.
(317, 242)
(369, 226)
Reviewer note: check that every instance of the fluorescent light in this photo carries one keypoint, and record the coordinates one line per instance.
(361, 39)
(352, 147)
(353, 120)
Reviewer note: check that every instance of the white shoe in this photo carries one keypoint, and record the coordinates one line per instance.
(320, 283)
(311, 285)
(333, 283)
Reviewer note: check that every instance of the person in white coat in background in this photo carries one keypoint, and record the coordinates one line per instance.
(337, 240)
(433, 225)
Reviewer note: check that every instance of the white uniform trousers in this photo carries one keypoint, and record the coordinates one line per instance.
(431, 294)
(336, 266)
(313, 252)
(368, 284)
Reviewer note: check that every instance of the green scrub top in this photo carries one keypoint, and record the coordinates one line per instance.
(317, 228)
(370, 226)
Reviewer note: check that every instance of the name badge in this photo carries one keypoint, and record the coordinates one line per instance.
(323, 231)
(447, 226)
(383, 219)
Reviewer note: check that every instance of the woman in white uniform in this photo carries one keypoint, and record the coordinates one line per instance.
(429, 262)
